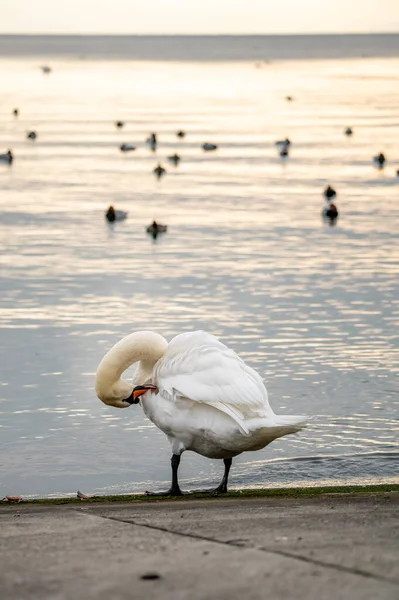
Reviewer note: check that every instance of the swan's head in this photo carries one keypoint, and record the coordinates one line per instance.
(138, 391)
(143, 347)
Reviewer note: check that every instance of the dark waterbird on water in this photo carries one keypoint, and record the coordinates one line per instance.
(286, 142)
(119, 124)
(284, 151)
(349, 131)
(380, 160)
(329, 193)
(331, 212)
(7, 157)
(209, 147)
(152, 141)
(113, 215)
(196, 390)
(31, 135)
(175, 159)
(15, 112)
(156, 228)
(127, 148)
(181, 134)
(159, 171)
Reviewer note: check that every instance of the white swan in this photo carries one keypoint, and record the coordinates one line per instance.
(198, 392)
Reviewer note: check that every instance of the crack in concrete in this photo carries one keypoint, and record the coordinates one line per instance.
(238, 544)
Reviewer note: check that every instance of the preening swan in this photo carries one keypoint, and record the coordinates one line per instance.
(198, 392)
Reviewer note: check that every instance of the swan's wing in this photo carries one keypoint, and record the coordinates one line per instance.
(199, 367)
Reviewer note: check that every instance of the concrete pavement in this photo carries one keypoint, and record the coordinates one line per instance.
(321, 547)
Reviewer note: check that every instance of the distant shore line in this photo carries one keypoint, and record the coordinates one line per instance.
(204, 48)
(200, 35)
(248, 493)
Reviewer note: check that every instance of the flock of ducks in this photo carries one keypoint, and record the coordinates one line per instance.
(283, 146)
(331, 211)
(154, 229)
(159, 171)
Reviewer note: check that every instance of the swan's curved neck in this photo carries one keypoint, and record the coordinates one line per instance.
(144, 347)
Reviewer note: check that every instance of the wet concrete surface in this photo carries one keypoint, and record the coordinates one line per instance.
(330, 546)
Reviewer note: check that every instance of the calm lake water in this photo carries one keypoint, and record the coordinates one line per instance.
(314, 308)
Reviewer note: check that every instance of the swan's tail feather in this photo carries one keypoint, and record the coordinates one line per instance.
(234, 414)
(291, 423)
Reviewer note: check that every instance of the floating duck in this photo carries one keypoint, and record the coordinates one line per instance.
(289, 98)
(113, 215)
(285, 142)
(159, 171)
(175, 159)
(46, 69)
(380, 160)
(209, 147)
(15, 112)
(348, 131)
(331, 212)
(329, 193)
(284, 151)
(31, 135)
(119, 124)
(127, 147)
(152, 141)
(156, 228)
(7, 157)
(181, 134)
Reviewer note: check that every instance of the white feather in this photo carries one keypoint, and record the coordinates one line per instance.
(199, 367)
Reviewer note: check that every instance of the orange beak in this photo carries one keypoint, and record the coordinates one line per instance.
(139, 390)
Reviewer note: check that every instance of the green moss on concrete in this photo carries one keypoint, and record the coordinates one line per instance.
(250, 493)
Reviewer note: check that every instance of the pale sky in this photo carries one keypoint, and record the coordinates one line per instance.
(198, 16)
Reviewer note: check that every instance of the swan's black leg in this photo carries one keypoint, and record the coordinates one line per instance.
(174, 488)
(222, 488)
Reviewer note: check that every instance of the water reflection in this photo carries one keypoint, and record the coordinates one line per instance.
(313, 308)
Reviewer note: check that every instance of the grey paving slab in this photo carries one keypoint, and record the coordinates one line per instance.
(359, 533)
(95, 551)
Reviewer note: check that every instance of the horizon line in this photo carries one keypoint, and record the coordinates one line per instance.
(120, 34)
